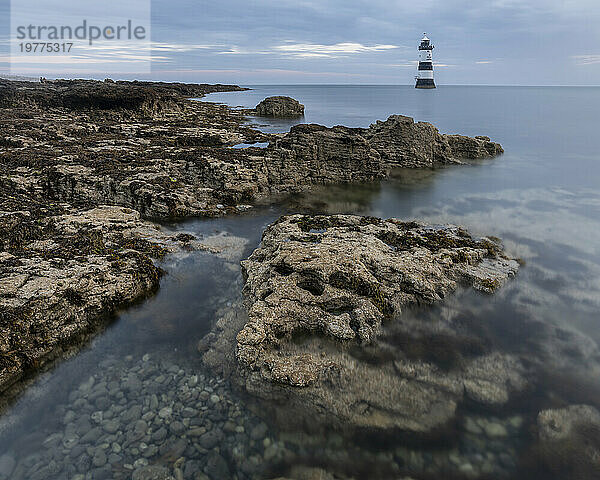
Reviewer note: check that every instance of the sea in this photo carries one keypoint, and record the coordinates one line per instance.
(137, 396)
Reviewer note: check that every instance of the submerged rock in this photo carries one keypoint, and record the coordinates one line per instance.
(318, 291)
(280, 107)
(568, 444)
(152, 472)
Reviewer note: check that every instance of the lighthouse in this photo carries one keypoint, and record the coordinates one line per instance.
(425, 76)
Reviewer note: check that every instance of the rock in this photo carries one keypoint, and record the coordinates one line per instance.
(97, 416)
(280, 107)
(331, 281)
(210, 439)
(111, 426)
(7, 465)
(568, 444)
(160, 434)
(563, 423)
(70, 440)
(314, 154)
(176, 428)
(152, 472)
(140, 462)
(165, 412)
(400, 143)
(495, 430)
(259, 431)
(216, 466)
(99, 458)
(91, 436)
(133, 383)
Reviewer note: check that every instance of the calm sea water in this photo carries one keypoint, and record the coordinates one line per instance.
(542, 198)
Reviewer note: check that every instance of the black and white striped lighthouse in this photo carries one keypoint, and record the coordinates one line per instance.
(425, 76)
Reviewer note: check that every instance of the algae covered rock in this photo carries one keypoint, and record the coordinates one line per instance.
(318, 293)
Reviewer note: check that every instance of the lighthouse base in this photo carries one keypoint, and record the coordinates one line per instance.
(425, 83)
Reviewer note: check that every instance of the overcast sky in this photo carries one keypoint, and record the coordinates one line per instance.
(497, 42)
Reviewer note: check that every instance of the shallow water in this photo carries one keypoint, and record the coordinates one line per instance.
(541, 198)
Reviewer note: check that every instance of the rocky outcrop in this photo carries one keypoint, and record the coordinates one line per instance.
(146, 97)
(66, 274)
(314, 154)
(318, 291)
(280, 107)
(403, 143)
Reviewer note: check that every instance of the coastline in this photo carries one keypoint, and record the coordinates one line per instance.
(97, 161)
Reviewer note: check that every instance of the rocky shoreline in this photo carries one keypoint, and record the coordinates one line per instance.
(85, 164)
(321, 339)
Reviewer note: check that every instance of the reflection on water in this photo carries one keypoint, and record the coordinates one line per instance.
(138, 395)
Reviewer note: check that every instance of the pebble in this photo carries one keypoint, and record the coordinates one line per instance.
(152, 472)
(495, 430)
(209, 440)
(160, 434)
(154, 411)
(472, 427)
(99, 459)
(165, 412)
(91, 436)
(216, 466)
(516, 422)
(259, 431)
(176, 428)
(70, 440)
(111, 426)
(140, 462)
(97, 417)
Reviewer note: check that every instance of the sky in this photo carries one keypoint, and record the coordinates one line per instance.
(483, 42)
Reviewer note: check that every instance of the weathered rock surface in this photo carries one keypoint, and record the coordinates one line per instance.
(280, 107)
(563, 423)
(403, 143)
(143, 146)
(313, 154)
(318, 291)
(69, 272)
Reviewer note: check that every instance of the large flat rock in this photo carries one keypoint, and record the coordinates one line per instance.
(319, 292)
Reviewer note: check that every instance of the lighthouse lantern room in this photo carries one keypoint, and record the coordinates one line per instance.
(425, 75)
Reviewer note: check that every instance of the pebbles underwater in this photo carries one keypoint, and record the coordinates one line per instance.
(147, 418)
(144, 419)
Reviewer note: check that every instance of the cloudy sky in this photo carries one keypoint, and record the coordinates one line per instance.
(495, 42)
